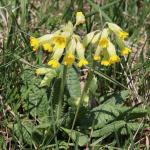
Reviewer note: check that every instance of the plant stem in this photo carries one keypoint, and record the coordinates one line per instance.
(62, 86)
(81, 99)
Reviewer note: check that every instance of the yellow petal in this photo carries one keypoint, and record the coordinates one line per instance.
(97, 58)
(54, 63)
(34, 43)
(114, 59)
(125, 51)
(69, 59)
(59, 41)
(103, 42)
(47, 47)
(105, 63)
(82, 62)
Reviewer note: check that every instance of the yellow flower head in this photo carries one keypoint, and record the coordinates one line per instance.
(125, 51)
(34, 43)
(105, 60)
(118, 31)
(105, 63)
(103, 42)
(59, 41)
(82, 62)
(96, 58)
(69, 59)
(47, 47)
(114, 59)
(123, 35)
(54, 63)
(80, 18)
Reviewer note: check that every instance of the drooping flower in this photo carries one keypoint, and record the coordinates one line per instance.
(105, 60)
(125, 51)
(59, 41)
(118, 31)
(97, 53)
(82, 62)
(96, 57)
(54, 63)
(80, 52)
(47, 47)
(113, 57)
(69, 59)
(104, 41)
(123, 35)
(36, 42)
(80, 18)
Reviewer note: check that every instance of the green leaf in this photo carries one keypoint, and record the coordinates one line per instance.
(73, 83)
(22, 129)
(34, 98)
(78, 137)
(137, 112)
(109, 128)
(104, 114)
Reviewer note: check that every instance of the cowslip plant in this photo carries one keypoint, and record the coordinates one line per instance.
(65, 48)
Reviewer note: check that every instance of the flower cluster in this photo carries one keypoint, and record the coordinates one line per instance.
(65, 44)
(105, 51)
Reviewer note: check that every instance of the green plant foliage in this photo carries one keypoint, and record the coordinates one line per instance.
(78, 137)
(34, 98)
(22, 130)
(73, 83)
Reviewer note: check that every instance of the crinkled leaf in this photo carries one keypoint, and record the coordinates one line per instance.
(78, 137)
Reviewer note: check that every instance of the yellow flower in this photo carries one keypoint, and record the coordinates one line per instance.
(97, 53)
(34, 43)
(59, 41)
(123, 35)
(47, 47)
(82, 62)
(54, 63)
(97, 58)
(125, 51)
(69, 59)
(114, 59)
(118, 31)
(103, 42)
(80, 18)
(105, 63)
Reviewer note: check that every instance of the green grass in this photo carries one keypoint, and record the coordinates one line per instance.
(118, 114)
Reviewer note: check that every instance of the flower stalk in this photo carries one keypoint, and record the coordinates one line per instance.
(61, 93)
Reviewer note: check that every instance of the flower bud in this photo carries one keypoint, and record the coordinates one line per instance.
(80, 18)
